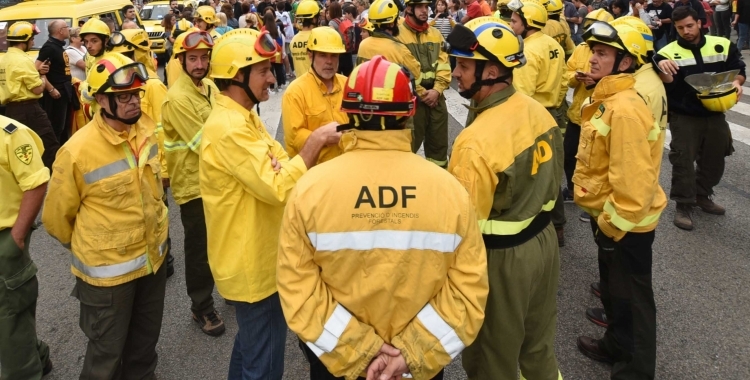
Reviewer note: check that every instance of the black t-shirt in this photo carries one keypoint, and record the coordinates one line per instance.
(661, 12)
(59, 65)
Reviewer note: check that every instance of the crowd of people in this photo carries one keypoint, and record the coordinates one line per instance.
(384, 264)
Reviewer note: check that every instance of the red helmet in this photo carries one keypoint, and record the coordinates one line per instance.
(379, 87)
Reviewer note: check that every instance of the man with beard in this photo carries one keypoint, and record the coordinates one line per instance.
(105, 204)
(314, 99)
(510, 162)
(245, 180)
(22, 84)
(431, 118)
(184, 111)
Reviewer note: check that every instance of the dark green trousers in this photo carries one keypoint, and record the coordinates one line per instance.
(122, 324)
(431, 126)
(697, 151)
(521, 314)
(198, 277)
(561, 118)
(22, 354)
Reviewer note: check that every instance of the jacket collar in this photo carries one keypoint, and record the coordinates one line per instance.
(493, 99)
(383, 35)
(376, 140)
(186, 83)
(251, 118)
(312, 77)
(114, 137)
(611, 85)
(688, 45)
(56, 41)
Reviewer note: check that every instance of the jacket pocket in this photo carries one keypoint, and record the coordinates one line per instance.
(586, 144)
(97, 314)
(116, 239)
(586, 185)
(23, 290)
(117, 191)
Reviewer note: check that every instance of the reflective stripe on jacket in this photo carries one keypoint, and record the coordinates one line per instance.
(104, 203)
(427, 48)
(243, 199)
(511, 170)
(619, 155)
(306, 106)
(540, 77)
(355, 232)
(185, 110)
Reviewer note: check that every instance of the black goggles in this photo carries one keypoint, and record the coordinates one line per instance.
(602, 31)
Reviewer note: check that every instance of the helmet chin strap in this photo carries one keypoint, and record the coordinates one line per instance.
(113, 115)
(479, 82)
(245, 85)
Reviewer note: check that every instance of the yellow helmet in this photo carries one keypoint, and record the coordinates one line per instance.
(366, 25)
(22, 31)
(207, 14)
(116, 73)
(620, 37)
(325, 40)
(95, 26)
(597, 15)
(487, 39)
(532, 12)
(413, 2)
(192, 39)
(307, 9)
(190, 4)
(383, 12)
(129, 40)
(637, 24)
(554, 7)
(719, 102)
(240, 48)
(183, 24)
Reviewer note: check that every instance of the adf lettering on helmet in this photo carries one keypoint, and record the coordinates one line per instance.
(387, 196)
(542, 154)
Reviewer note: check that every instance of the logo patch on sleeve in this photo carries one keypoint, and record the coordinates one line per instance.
(24, 153)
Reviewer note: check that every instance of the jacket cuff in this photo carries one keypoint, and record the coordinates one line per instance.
(608, 229)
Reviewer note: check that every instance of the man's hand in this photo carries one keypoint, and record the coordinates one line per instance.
(668, 67)
(328, 133)
(431, 98)
(584, 78)
(18, 236)
(738, 86)
(387, 353)
(275, 164)
(55, 94)
(43, 68)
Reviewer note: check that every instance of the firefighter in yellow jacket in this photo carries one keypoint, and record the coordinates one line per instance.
(95, 34)
(205, 19)
(104, 203)
(512, 171)
(307, 16)
(616, 182)
(575, 78)
(559, 31)
(355, 232)
(184, 111)
(431, 118)
(384, 17)
(245, 179)
(313, 100)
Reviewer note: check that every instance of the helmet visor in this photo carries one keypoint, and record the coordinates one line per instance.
(515, 5)
(124, 77)
(194, 39)
(117, 39)
(265, 46)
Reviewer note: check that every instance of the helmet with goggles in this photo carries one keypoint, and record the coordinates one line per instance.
(307, 9)
(21, 31)
(129, 40)
(622, 37)
(116, 73)
(384, 12)
(533, 13)
(207, 14)
(192, 39)
(554, 7)
(325, 39)
(596, 15)
(382, 88)
(637, 24)
(366, 25)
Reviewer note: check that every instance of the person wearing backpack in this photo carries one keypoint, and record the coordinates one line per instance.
(346, 30)
(425, 44)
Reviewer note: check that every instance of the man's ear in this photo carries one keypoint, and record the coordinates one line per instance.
(626, 63)
(492, 71)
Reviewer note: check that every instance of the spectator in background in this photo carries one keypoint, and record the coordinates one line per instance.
(571, 16)
(128, 24)
(168, 24)
(287, 28)
(619, 8)
(237, 11)
(341, 25)
(110, 23)
(242, 18)
(269, 22)
(223, 27)
(486, 10)
(709, 26)
(228, 12)
(742, 20)
(56, 102)
(443, 20)
(722, 18)
(458, 12)
(598, 4)
(661, 21)
(363, 9)
(251, 21)
(128, 13)
(76, 52)
(583, 10)
(473, 10)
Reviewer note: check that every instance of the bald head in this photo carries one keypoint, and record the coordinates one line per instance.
(129, 25)
(59, 29)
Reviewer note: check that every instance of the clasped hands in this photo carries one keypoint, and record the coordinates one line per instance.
(389, 364)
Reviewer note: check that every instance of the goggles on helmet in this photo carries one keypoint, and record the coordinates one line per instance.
(515, 5)
(604, 32)
(265, 46)
(124, 77)
(464, 42)
(118, 39)
(193, 39)
(505, 12)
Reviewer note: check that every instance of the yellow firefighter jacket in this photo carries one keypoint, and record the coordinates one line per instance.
(511, 186)
(427, 48)
(172, 70)
(393, 51)
(298, 47)
(619, 155)
(648, 86)
(306, 106)
(560, 32)
(355, 232)
(243, 199)
(185, 110)
(104, 203)
(540, 77)
(579, 61)
(156, 91)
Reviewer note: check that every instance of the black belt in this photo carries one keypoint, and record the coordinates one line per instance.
(537, 225)
(18, 103)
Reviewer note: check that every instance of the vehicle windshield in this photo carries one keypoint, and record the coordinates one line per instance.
(39, 39)
(155, 12)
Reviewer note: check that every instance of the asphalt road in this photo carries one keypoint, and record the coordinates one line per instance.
(700, 281)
